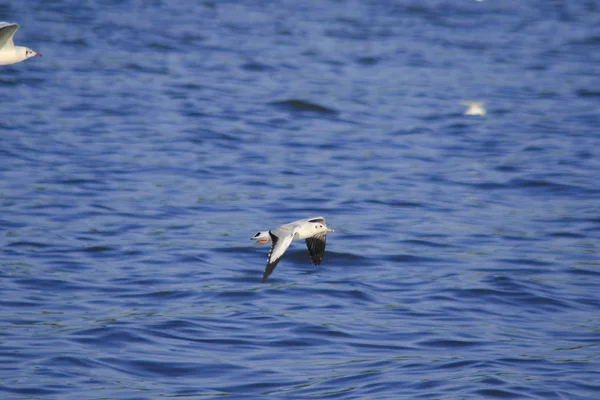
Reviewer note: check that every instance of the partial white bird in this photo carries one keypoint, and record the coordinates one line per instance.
(475, 108)
(312, 230)
(9, 53)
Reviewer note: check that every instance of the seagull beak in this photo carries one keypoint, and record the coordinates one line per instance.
(37, 55)
(330, 230)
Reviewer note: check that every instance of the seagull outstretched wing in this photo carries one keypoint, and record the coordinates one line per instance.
(316, 247)
(278, 247)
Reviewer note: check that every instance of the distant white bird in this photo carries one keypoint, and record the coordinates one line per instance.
(9, 53)
(313, 230)
(475, 108)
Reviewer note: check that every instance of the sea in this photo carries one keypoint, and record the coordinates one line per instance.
(153, 138)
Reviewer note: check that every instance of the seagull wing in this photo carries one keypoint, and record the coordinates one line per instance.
(278, 247)
(316, 247)
(7, 31)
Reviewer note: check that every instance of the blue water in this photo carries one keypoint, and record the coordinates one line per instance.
(154, 138)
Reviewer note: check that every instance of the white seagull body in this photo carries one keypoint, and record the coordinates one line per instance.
(9, 53)
(312, 230)
(475, 108)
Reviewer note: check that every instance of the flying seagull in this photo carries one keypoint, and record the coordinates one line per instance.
(9, 53)
(312, 230)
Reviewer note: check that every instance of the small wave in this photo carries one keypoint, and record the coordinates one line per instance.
(409, 258)
(587, 93)
(399, 204)
(497, 394)
(256, 66)
(110, 337)
(448, 343)
(301, 105)
(426, 243)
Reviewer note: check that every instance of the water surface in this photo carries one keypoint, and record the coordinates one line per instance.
(153, 139)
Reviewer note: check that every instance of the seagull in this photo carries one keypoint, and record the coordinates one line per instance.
(475, 107)
(9, 53)
(313, 230)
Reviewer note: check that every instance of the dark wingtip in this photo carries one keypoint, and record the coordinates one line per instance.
(268, 271)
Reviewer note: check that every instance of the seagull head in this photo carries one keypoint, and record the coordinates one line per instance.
(261, 237)
(319, 225)
(28, 53)
(322, 227)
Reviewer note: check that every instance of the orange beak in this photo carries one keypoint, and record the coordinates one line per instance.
(37, 55)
